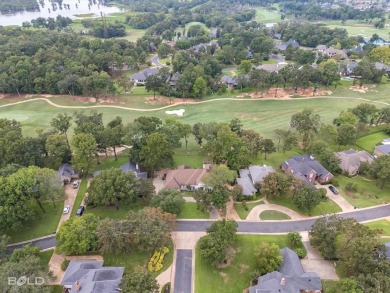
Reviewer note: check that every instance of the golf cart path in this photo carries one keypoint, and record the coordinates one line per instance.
(185, 103)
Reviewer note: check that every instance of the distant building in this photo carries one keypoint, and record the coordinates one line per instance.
(350, 160)
(382, 150)
(140, 77)
(291, 278)
(332, 52)
(129, 167)
(283, 46)
(308, 169)
(251, 176)
(272, 67)
(230, 82)
(66, 172)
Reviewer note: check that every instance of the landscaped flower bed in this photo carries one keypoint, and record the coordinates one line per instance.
(156, 261)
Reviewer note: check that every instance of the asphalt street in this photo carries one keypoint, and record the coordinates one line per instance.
(250, 227)
(183, 276)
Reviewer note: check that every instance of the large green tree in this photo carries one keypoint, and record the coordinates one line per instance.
(139, 281)
(267, 257)
(169, 200)
(307, 198)
(84, 147)
(275, 185)
(306, 123)
(380, 169)
(62, 123)
(112, 187)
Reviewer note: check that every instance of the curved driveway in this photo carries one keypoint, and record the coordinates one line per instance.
(361, 215)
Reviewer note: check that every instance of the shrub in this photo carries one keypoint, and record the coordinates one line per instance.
(300, 252)
(335, 182)
(64, 265)
(352, 187)
(294, 238)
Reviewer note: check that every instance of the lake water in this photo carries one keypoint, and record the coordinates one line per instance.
(46, 10)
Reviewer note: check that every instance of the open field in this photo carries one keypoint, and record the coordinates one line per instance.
(261, 115)
(264, 15)
(359, 28)
(368, 194)
(236, 276)
(44, 224)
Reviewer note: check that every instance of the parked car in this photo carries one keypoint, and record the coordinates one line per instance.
(333, 189)
(75, 184)
(66, 209)
(80, 211)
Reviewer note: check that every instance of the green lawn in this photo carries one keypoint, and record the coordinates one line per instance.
(264, 15)
(380, 224)
(325, 207)
(109, 162)
(329, 285)
(136, 258)
(80, 196)
(45, 224)
(190, 211)
(188, 160)
(111, 212)
(46, 255)
(236, 276)
(369, 194)
(369, 142)
(243, 213)
(273, 215)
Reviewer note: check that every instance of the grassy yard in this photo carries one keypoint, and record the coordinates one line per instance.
(109, 162)
(45, 224)
(380, 224)
(80, 196)
(190, 211)
(325, 207)
(329, 285)
(111, 212)
(135, 258)
(236, 276)
(273, 215)
(369, 194)
(46, 255)
(188, 160)
(242, 212)
(264, 15)
(369, 142)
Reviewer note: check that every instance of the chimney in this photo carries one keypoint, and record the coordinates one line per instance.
(77, 286)
(283, 281)
(136, 166)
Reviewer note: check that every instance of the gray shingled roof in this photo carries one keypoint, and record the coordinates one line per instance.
(229, 80)
(350, 160)
(304, 164)
(252, 175)
(134, 168)
(92, 277)
(290, 279)
(387, 246)
(65, 171)
(283, 46)
(384, 148)
(247, 187)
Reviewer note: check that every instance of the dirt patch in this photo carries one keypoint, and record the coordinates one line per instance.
(243, 268)
(350, 194)
(231, 253)
(280, 93)
(224, 277)
(158, 100)
(359, 89)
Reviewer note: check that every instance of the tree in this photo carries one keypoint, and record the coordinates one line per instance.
(219, 175)
(145, 189)
(197, 132)
(4, 253)
(112, 187)
(185, 130)
(346, 134)
(58, 148)
(306, 123)
(115, 236)
(199, 88)
(267, 257)
(345, 118)
(84, 147)
(214, 246)
(62, 123)
(380, 54)
(267, 146)
(245, 66)
(294, 238)
(114, 133)
(77, 235)
(346, 285)
(367, 72)
(366, 113)
(154, 83)
(253, 141)
(380, 170)
(259, 79)
(325, 156)
(307, 198)
(274, 185)
(156, 153)
(169, 200)
(329, 72)
(152, 227)
(139, 281)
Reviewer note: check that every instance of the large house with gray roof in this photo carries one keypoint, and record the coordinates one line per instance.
(251, 176)
(67, 173)
(283, 46)
(291, 278)
(89, 276)
(307, 168)
(140, 77)
(350, 161)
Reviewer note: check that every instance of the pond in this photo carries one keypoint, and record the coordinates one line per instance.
(69, 8)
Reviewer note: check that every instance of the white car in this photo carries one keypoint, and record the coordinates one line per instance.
(66, 209)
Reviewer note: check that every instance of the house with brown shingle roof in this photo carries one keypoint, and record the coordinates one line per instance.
(350, 160)
(185, 179)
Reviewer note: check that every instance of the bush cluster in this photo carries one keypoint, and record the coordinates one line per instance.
(156, 261)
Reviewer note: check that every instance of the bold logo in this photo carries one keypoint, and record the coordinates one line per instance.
(23, 280)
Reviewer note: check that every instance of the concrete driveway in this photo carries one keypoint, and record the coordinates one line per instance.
(338, 199)
(256, 211)
(70, 196)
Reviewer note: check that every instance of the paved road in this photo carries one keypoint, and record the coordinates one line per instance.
(254, 227)
(183, 276)
(43, 243)
(156, 62)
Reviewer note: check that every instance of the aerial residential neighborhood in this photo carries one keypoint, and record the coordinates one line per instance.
(204, 146)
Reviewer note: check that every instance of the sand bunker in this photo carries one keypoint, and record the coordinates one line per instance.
(179, 112)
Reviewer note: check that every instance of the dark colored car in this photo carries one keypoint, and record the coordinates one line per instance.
(80, 211)
(333, 189)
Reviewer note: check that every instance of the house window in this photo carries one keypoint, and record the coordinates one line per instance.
(311, 175)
